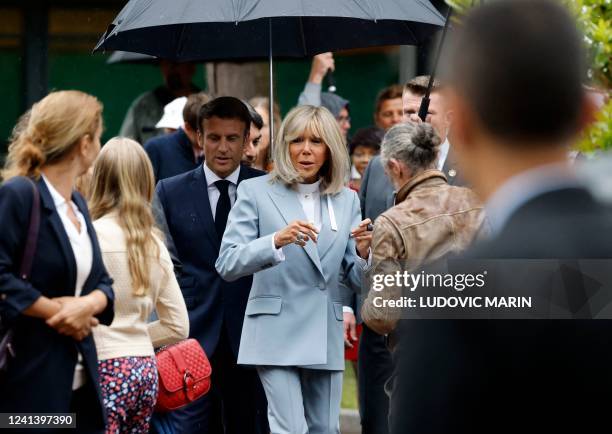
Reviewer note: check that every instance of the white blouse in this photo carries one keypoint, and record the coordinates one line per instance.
(310, 199)
(82, 250)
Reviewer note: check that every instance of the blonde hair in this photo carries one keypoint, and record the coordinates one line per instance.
(123, 181)
(322, 124)
(50, 131)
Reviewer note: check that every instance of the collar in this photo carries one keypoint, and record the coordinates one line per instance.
(58, 199)
(443, 153)
(308, 188)
(521, 188)
(413, 182)
(212, 177)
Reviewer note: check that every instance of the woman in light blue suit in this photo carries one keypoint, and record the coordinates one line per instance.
(298, 231)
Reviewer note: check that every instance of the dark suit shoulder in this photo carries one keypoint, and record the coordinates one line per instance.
(247, 172)
(17, 184)
(567, 223)
(16, 192)
(178, 181)
(155, 143)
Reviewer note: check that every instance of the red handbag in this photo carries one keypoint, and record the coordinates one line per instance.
(184, 374)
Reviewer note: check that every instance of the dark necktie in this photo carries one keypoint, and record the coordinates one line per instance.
(223, 206)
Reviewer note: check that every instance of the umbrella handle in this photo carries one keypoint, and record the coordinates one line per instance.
(424, 108)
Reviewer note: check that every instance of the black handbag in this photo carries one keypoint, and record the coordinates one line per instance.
(7, 351)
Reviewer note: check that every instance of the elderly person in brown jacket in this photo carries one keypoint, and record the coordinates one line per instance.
(430, 218)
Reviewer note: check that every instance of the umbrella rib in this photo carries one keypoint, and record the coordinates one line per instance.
(432, 9)
(234, 10)
(245, 13)
(180, 44)
(368, 13)
(303, 36)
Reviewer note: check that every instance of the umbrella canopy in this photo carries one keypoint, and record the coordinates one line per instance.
(190, 30)
(127, 57)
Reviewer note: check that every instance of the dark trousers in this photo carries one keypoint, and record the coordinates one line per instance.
(84, 403)
(236, 403)
(87, 409)
(375, 368)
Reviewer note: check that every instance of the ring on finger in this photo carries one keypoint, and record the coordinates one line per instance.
(299, 237)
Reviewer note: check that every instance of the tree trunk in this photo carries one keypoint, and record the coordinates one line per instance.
(242, 80)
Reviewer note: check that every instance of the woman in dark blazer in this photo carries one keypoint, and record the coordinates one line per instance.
(69, 291)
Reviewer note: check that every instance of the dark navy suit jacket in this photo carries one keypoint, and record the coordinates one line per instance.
(40, 378)
(213, 304)
(171, 154)
(509, 376)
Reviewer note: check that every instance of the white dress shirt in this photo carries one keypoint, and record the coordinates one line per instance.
(444, 147)
(213, 191)
(83, 256)
(310, 199)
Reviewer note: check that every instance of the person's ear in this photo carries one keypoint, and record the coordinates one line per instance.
(200, 138)
(588, 111)
(461, 131)
(448, 118)
(84, 144)
(394, 167)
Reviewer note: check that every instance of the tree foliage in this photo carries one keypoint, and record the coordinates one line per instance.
(594, 18)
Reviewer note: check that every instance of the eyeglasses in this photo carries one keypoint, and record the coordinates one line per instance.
(343, 119)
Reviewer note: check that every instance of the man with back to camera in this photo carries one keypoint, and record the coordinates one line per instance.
(541, 375)
(195, 206)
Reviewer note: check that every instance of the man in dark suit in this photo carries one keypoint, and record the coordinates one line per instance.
(195, 206)
(516, 102)
(377, 196)
(178, 152)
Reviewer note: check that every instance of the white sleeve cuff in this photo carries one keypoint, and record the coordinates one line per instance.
(278, 253)
(348, 309)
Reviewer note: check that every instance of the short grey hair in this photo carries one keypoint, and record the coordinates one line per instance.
(416, 145)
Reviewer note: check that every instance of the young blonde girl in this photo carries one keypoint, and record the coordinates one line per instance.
(139, 263)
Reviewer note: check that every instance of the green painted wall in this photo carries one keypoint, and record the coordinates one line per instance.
(115, 85)
(10, 93)
(358, 78)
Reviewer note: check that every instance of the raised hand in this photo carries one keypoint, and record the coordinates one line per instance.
(363, 237)
(298, 232)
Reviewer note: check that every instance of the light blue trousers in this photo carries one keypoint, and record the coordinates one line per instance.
(302, 401)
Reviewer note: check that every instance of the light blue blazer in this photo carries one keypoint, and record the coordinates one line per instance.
(294, 313)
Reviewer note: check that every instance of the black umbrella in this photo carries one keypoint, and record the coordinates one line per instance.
(192, 30)
(134, 58)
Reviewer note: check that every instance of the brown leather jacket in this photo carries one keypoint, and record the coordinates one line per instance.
(430, 219)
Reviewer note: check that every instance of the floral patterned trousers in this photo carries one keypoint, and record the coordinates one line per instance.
(129, 389)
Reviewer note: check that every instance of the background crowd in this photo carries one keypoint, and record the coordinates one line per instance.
(195, 223)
